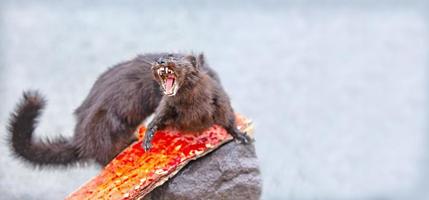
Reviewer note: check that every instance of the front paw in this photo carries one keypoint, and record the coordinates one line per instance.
(147, 140)
(242, 138)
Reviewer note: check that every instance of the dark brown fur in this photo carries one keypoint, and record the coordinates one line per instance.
(119, 101)
(199, 103)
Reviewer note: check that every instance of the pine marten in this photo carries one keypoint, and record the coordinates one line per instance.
(181, 90)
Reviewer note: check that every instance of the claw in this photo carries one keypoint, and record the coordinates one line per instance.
(147, 141)
(146, 145)
(242, 138)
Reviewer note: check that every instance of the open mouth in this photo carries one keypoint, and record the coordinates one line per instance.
(168, 81)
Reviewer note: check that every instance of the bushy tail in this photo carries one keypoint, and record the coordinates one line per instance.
(42, 153)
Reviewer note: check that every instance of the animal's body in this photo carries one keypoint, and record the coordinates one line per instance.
(181, 90)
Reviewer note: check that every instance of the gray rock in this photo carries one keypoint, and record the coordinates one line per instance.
(230, 172)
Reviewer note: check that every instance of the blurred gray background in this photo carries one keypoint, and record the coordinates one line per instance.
(337, 89)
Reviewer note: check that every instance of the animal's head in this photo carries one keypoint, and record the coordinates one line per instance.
(173, 71)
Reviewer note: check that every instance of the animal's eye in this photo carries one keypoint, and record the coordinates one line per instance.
(161, 61)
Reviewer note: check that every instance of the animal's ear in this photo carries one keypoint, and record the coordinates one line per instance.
(201, 60)
(193, 60)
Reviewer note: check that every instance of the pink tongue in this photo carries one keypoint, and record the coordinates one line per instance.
(169, 85)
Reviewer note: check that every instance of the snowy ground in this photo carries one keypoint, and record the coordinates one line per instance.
(337, 89)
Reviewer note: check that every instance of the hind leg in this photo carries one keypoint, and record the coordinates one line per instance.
(97, 136)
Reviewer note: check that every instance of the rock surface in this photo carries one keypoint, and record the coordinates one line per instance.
(230, 172)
